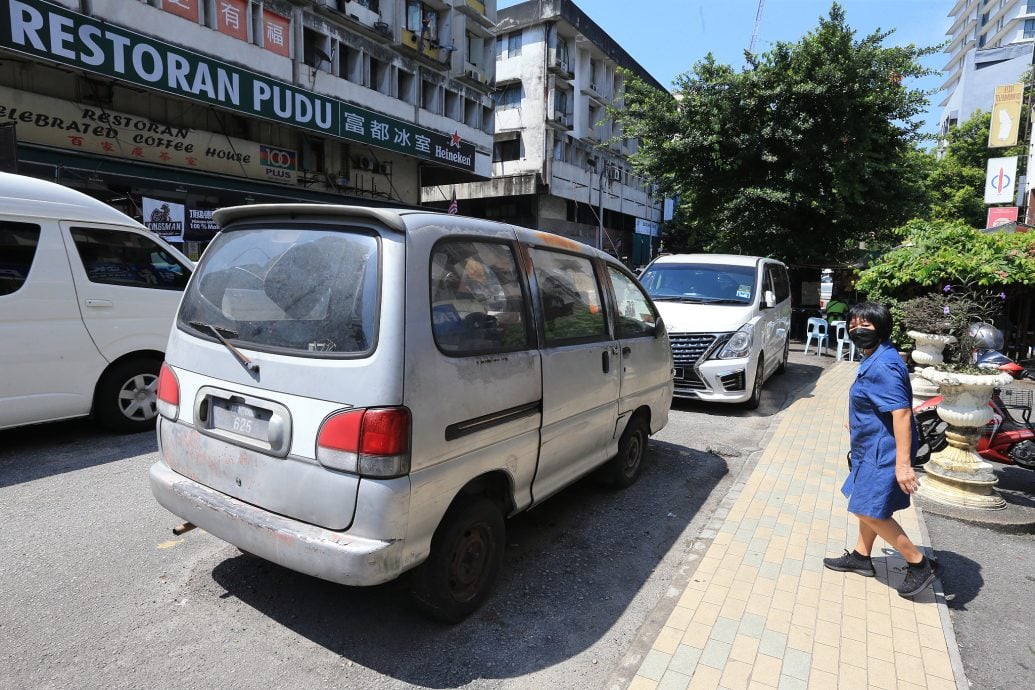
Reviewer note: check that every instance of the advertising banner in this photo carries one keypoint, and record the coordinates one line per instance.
(1006, 115)
(200, 226)
(53, 33)
(1000, 179)
(62, 124)
(163, 218)
(1001, 215)
(646, 227)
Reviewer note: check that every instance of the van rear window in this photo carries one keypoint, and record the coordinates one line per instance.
(302, 291)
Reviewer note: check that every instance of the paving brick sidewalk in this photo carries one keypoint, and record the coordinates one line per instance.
(760, 611)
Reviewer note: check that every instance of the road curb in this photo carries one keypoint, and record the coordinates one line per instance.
(955, 658)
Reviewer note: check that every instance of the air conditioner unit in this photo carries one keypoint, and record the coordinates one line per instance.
(365, 163)
(562, 65)
(558, 115)
(593, 87)
(591, 162)
(383, 28)
(385, 168)
(475, 75)
(616, 174)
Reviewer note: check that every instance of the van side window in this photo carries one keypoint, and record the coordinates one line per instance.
(782, 282)
(116, 257)
(477, 305)
(17, 249)
(570, 297)
(634, 314)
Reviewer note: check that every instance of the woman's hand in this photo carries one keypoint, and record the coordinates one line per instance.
(906, 478)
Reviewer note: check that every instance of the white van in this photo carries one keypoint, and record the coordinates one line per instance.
(354, 393)
(729, 320)
(87, 296)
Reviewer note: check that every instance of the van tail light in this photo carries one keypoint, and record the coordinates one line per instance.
(372, 442)
(168, 393)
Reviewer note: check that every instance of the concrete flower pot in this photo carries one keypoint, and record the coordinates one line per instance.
(929, 347)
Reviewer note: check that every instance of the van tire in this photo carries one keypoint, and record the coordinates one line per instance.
(756, 388)
(112, 405)
(782, 369)
(465, 560)
(625, 468)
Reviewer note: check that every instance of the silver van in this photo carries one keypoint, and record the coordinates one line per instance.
(355, 393)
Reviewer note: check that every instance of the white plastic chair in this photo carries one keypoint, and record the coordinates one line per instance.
(816, 329)
(843, 341)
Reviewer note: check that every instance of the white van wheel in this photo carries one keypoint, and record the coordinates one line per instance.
(756, 388)
(127, 395)
(466, 555)
(625, 468)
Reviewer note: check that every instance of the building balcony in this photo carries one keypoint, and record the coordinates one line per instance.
(561, 120)
(475, 76)
(430, 48)
(560, 66)
(475, 9)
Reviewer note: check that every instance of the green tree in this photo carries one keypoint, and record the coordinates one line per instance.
(801, 155)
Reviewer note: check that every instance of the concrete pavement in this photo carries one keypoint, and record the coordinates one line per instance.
(760, 611)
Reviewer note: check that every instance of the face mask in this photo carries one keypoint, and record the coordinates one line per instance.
(864, 338)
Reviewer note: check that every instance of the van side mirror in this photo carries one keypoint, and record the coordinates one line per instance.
(769, 299)
(659, 327)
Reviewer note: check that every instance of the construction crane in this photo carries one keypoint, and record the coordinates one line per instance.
(754, 31)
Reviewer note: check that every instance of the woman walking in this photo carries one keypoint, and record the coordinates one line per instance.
(884, 442)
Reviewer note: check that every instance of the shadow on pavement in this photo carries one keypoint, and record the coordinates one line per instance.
(961, 579)
(573, 565)
(43, 450)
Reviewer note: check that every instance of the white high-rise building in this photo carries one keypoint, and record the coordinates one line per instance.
(990, 43)
(558, 158)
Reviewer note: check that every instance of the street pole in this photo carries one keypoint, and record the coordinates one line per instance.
(600, 215)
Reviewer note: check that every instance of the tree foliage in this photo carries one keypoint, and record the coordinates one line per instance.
(801, 155)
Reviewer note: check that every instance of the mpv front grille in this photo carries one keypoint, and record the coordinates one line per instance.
(687, 348)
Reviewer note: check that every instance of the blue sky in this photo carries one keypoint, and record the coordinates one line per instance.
(668, 36)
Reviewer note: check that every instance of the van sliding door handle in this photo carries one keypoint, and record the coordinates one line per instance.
(99, 303)
(605, 362)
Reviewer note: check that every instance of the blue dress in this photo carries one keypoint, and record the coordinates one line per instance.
(881, 386)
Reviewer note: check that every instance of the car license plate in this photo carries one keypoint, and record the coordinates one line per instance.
(241, 419)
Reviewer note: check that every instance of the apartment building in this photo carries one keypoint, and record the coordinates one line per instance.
(191, 105)
(558, 159)
(990, 43)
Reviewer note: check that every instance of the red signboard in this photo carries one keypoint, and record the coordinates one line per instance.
(276, 33)
(187, 9)
(1001, 215)
(232, 18)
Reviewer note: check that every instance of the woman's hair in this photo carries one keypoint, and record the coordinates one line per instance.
(876, 314)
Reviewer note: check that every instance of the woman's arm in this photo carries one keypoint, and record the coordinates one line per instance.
(902, 425)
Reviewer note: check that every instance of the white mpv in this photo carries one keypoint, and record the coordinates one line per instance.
(87, 295)
(355, 393)
(728, 318)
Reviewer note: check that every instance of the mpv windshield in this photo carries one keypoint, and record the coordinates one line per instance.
(298, 290)
(700, 283)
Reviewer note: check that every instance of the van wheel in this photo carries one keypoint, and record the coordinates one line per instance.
(465, 560)
(756, 389)
(786, 355)
(126, 399)
(625, 468)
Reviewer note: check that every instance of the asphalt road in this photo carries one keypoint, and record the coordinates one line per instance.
(98, 592)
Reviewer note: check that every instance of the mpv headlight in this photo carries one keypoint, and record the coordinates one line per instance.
(739, 344)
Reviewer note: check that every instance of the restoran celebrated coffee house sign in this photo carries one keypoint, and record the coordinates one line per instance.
(53, 33)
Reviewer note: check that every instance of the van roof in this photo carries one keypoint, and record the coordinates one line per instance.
(399, 220)
(720, 259)
(28, 196)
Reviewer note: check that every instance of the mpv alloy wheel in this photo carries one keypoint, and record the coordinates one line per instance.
(756, 388)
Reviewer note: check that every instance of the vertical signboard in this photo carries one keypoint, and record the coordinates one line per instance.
(276, 33)
(1006, 115)
(163, 218)
(188, 9)
(232, 18)
(1000, 178)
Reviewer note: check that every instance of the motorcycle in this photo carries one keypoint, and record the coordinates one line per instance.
(1009, 438)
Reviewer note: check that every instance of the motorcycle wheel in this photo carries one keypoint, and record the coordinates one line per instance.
(1024, 454)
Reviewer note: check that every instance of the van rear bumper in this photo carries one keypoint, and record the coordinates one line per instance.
(326, 554)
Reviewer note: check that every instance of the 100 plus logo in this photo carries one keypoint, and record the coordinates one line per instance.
(279, 164)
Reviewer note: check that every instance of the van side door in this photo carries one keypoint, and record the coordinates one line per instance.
(48, 364)
(127, 284)
(646, 355)
(581, 369)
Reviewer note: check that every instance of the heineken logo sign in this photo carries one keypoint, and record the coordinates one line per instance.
(56, 34)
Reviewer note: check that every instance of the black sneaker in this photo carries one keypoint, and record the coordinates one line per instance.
(851, 562)
(918, 577)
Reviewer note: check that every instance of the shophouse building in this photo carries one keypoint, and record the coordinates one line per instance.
(558, 158)
(170, 108)
(990, 44)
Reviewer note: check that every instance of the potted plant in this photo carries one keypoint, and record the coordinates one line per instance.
(929, 323)
(957, 475)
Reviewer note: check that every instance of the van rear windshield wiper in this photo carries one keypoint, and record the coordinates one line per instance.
(248, 364)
